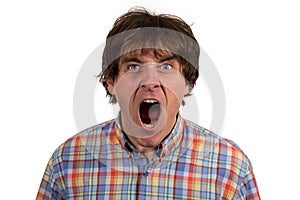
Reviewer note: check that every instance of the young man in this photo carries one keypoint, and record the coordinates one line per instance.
(150, 63)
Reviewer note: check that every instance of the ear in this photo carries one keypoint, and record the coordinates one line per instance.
(187, 89)
(110, 86)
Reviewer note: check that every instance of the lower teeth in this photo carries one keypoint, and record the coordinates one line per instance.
(151, 125)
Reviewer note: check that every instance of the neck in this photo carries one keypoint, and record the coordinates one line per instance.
(140, 145)
(147, 151)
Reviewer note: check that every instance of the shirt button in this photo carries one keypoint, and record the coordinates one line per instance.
(145, 174)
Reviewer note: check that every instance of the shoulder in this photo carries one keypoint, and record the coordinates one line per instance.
(223, 160)
(83, 143)
(213, 147)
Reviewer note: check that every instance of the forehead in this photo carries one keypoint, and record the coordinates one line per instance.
(155, 54)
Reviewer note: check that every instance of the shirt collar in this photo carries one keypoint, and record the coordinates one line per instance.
(166, 146)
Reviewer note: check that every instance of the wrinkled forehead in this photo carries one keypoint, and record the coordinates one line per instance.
(155, 54)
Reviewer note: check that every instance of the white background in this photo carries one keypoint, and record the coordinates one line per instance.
(254, 45)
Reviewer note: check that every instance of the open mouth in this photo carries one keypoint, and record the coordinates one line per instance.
(149, 112)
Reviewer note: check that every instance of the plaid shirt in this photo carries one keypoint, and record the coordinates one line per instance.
(191, 163)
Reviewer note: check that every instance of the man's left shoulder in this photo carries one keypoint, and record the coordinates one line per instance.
(221, 150)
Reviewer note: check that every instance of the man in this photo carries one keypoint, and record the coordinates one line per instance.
(150, 63)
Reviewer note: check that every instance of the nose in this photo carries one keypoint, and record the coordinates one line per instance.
(151, 86)
(150, 81)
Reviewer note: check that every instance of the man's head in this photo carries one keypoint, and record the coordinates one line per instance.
(140, 29)
(150, 62)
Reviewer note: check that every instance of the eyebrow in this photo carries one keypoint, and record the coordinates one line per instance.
(138, 60)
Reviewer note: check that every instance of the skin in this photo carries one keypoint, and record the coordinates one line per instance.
(144, 76)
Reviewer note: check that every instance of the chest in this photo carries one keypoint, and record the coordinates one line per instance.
(163, 180)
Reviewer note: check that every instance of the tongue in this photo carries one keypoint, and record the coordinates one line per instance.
(154, 112)
(149, 112)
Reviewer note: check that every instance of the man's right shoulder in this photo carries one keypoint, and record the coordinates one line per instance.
(87, 140)
(102, 128)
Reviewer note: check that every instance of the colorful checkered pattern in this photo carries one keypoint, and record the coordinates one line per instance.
(191, 163)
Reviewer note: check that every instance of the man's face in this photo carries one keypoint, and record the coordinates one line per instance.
(149, 90)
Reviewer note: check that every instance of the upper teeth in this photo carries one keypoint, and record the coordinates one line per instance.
(150, 101)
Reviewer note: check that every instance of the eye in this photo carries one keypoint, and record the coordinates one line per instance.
(166, 67)
(133, 67)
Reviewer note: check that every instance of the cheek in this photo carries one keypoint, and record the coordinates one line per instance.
(176, 87)
(174, 101)
(125, 88)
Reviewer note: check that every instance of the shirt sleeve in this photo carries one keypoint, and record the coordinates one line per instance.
(49, 187)
(249, 188)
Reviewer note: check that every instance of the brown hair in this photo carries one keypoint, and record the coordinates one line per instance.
(140, 29)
